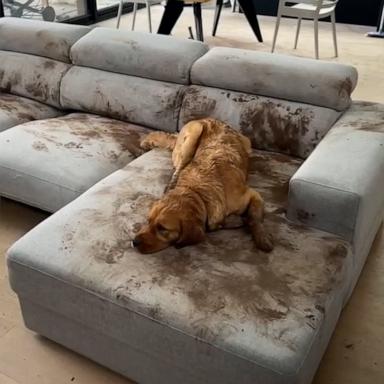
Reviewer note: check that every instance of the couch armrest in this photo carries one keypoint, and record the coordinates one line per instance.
(340, 187)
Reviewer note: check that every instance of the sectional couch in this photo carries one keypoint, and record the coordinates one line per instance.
(74, 104)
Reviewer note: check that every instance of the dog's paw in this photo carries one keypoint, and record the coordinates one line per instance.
(265, 242)
(146, 143)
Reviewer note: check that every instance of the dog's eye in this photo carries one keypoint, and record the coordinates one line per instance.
(160, 228)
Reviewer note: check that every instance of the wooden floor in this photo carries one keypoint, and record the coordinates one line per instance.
(356, 352)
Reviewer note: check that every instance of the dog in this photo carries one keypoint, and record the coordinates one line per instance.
(209, 184)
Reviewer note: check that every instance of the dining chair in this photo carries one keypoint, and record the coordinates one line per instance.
(148, 4)
(307, 9)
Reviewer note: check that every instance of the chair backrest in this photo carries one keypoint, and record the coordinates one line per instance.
(320, 4)
(328, 4)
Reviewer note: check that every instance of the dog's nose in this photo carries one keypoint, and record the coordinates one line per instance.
(135, 242)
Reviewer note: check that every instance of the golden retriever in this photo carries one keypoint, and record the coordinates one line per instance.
(209, 184)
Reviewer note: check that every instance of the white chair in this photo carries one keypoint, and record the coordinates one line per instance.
(148, 4)
(308, 9)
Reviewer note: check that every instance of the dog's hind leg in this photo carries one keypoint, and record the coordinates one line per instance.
(159, 140)
(255, 218)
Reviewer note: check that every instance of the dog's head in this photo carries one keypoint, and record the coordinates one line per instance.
(169, 224)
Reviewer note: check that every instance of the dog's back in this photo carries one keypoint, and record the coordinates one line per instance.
(221, 144)
(211, 148)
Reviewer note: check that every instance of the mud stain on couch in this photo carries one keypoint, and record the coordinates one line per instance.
(84, 131)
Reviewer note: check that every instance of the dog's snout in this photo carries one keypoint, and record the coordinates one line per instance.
(135, 242)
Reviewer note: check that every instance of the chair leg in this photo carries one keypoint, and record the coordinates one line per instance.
(276, 31)
(316, 30)
(149, 16)
(333, 20)
(234, 5)
(198, 21)
(119, 12)
(219, 6)
(297, 32)
(134, 16)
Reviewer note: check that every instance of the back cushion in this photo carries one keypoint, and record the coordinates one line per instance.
(35, 77)
(40, 38)
(271, 124)
(154, 104)
(284, 77)
(139, 54)
(34, 55)
(132, 76)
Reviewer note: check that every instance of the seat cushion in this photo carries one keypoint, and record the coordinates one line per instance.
(47, 163)
(218, 312)
(16, 110)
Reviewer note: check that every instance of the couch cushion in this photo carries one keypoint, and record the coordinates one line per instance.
(48, 163)
(37, 78)
(151, 103)
(140, 54)
(285, 77)
(272, 124)
(16, 110)
(39, 38)
(222, 310)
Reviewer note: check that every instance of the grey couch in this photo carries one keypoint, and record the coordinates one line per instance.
(75, 103)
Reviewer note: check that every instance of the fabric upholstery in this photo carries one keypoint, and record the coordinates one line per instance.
(284, 77)
(140, 54)
(338, 188)
(263, 309)
(48, 163)
(34, 77)
(272, 124)
(16, 110)
(146, 102)
(52, 40)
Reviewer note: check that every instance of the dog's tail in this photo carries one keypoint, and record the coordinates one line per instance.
(162, 140)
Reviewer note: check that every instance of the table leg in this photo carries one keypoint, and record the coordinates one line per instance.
(250, 13)
(219, 6)
(172, 12)
(198, 21)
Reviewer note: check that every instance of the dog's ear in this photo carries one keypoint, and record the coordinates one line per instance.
(191, 232)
